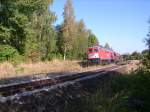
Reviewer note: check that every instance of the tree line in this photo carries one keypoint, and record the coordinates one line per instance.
(27, 32)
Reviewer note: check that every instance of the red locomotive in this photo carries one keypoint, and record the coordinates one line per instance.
(99, 54)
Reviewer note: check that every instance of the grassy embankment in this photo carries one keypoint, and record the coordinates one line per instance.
(126, 93)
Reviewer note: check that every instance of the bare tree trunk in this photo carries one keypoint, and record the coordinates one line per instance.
(65, 53)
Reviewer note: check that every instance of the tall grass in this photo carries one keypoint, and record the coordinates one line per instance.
(8, 70)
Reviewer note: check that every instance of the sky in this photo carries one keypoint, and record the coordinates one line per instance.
(121, 23)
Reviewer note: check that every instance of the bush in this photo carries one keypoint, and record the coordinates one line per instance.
(146, 61)
(52, 55)
(140, 92)
(8, 53)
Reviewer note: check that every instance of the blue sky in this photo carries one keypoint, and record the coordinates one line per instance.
(121, 23)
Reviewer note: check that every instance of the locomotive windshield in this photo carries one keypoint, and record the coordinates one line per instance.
(95, 50)
(90, 50)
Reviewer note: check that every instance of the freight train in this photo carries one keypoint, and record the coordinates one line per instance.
(99, 54)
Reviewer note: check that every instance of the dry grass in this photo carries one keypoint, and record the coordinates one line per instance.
(7, 70)
(132, 66)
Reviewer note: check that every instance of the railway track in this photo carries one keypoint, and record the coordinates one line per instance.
(13, 89)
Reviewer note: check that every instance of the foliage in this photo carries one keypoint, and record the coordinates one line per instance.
(13, 24)
(148, 39)
(43, 37)
(68, 28)
(73, 36)
(92, 40)
(27, 26)
(128, 93)
(146, 53)
(137, 89)
(81, 42)
(135, 56)
(8, 53)
(146, 60)
(126, 56)
(148, 42)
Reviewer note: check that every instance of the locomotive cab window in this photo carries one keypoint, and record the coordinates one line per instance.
(90, 50)
(95, 50)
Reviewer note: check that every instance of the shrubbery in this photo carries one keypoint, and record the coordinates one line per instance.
(146, 61)
(9, 53)
(127, 93)
(136, 88)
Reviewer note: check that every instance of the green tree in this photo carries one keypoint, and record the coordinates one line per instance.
(8, 53)
(148, 39)
(145, 52)
(81, 42)
(136, 56)
(42, 42)
(126, 56)
(68, 28)
(73, 37)
(92, 39)
(27, 26)
(146, 60)
(148, 42)
(13, 24)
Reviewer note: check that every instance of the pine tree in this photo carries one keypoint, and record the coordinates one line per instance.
(107, 46)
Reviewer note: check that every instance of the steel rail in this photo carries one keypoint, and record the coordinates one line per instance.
(37, 84)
